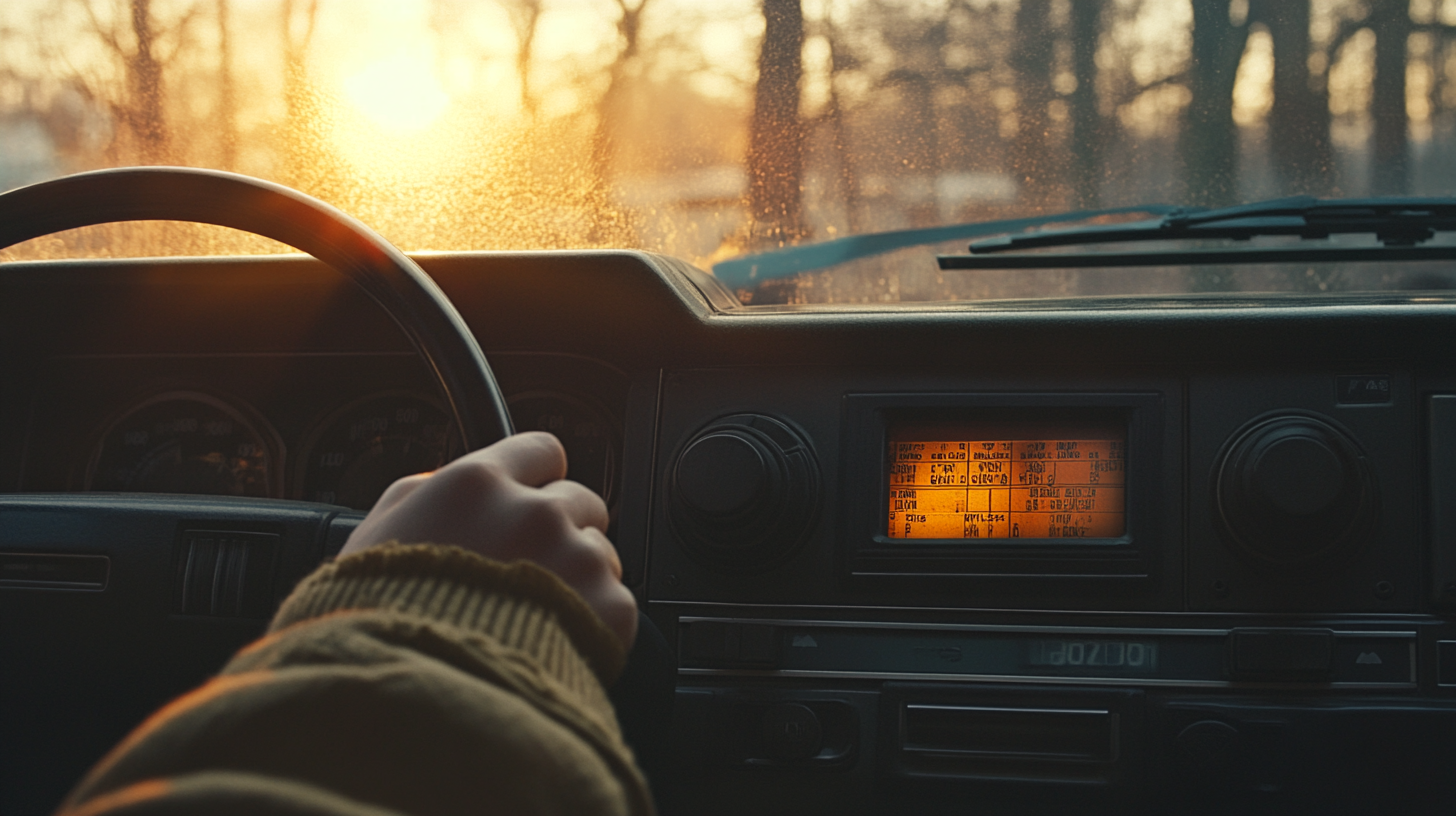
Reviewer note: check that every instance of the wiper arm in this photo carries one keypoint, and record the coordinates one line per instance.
(751, 270)
(1395, 222)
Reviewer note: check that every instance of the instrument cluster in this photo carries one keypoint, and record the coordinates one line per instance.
(316, 437)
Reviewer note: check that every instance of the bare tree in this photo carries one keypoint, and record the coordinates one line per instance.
(298, 103)
(840, 60)
(1209, 140)
(1087, 124)
(608, 225)
(227, 98)
(776, 134)
(1299, 121)
(1389, 160)
(134, 38)
(1032, 160)
(144, 83)
(525, 15)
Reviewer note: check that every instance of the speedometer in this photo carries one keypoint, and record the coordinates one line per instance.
(365, 446)
(184, 442)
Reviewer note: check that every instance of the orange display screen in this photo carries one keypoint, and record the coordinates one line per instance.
(1007, 480)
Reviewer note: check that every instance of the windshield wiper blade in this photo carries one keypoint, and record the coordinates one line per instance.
(1200, 257)
(1395, 222)
(750, 270)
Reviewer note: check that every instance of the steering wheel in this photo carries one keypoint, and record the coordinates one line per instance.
(396, 283)
(141, 560)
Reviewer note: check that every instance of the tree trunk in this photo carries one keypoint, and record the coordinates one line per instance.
(525, 15)
(1390, 19)
(608, 225)
(1031, 157)
(300, 161)
(1087, 134)
(919, 147)
(1209, 142)
(775, 136)
(144, 83)
(1299, 122)
(227, 100)
(848, 181)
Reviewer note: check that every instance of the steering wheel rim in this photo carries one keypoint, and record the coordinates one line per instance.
(409, 296)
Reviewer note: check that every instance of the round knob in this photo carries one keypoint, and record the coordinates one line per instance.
(791, 731)
(1293, 490)
(724, 474)
(744, 492)
(1297, 475)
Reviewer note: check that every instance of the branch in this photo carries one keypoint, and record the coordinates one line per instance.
(107, 36)
(294, 49)
(180, 32)
(1348, 28)
(1180, 78)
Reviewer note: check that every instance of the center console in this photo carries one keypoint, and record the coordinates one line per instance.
(1145, 591)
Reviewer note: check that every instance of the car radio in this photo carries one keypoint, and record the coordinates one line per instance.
(1055, 494)
(1022, 585)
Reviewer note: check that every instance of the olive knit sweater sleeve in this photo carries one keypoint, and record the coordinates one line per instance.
(401, 680)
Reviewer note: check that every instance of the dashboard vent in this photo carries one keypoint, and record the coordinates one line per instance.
(226, 574)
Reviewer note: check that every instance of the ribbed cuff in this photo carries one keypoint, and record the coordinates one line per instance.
(520, 605)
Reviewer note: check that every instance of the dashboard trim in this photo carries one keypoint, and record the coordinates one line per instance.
(991, 627)
(1121, 682)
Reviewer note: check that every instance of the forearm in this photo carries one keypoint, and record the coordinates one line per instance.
(412, 680)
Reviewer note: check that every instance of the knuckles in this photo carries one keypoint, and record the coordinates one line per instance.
(547, 442)
(578, 559)
(559, 526)
(543, 515)
(470, 480)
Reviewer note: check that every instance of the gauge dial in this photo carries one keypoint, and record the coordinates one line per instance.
(183, 442)
(584, 431)
(364, 447)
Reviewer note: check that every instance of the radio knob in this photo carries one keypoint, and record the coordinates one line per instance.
(744, 492)
(1298, 475)
(1293, 490)
(726, 474)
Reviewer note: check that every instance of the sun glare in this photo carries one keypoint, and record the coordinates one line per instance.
(400, 93)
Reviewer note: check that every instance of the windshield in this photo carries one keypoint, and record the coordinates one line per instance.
(715, 131)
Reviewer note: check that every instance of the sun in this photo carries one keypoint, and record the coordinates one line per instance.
(400, 93)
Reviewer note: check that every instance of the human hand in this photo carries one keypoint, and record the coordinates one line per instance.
(506, 502)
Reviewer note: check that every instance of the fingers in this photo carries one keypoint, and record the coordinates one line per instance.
(607, 549)
(615, 605)
(583, 507)
(506, 502)
(533, 458)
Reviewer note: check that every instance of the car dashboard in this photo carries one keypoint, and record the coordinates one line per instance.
(1106, 555)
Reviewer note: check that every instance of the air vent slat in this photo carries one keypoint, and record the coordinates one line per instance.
(226, 574)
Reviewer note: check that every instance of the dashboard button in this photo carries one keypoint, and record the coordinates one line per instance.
(726, 644)
(1446, 663)
(1373, 660)
(1281, 654)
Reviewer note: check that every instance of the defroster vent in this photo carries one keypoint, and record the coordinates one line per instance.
(226, 574)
